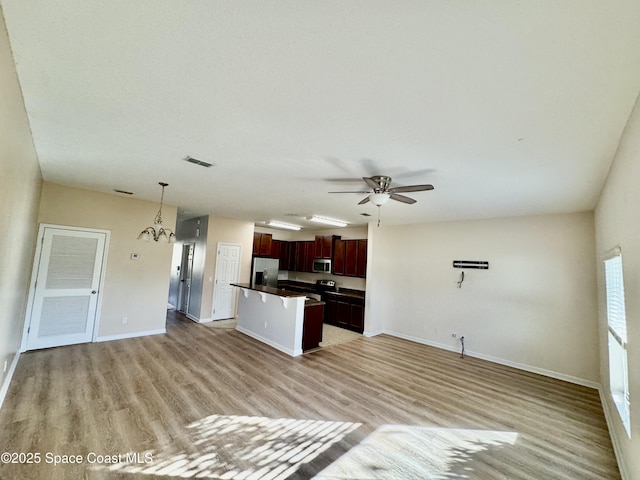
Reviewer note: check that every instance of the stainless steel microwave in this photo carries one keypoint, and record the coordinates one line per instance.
(322, 265)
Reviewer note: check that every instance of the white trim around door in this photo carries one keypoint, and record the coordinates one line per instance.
(68, 287)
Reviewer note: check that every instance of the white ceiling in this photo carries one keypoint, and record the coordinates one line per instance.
(507, 107)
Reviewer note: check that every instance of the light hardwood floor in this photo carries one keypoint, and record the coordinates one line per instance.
(213, 403)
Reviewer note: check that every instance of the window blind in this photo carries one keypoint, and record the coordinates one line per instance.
(616, 316)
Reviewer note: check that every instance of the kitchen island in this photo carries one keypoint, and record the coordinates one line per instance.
(275, 316)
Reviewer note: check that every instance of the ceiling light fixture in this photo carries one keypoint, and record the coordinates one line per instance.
(327, 221)
(379, 199)
(158, 233)
(288, 226)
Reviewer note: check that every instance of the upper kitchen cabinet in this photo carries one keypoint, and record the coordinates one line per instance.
(338, 257)
(350, 258)
(300, 256)
(324, 245)
(361, 264)
(280, 251)
(262, 244)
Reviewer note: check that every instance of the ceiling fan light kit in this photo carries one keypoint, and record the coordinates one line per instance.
(379, 199)
(381, 192)
(327, 221)
(158, 233)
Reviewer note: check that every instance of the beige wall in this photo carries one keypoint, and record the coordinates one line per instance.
(20, 183)
(618, 224)
(137, 289)
(225, 230)
(535, 308)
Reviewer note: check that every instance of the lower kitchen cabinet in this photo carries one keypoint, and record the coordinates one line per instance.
(312, 327)
(344, 311)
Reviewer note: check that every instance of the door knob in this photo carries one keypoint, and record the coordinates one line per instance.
(94, 292)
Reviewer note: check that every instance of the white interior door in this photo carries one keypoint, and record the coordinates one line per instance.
(65, 296)
(227, 272)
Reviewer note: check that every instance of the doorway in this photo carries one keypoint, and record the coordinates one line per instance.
(227, 272)
(68, 272)
(186, 272)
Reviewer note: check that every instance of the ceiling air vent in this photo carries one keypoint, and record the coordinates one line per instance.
(195, 161)
(122, 191)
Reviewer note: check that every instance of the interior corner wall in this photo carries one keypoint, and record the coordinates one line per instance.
(535, 307)
(20, 184)
(136, 289)
(226, 230)
(617, 224)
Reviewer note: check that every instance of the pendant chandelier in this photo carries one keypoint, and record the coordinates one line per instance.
(158, 233)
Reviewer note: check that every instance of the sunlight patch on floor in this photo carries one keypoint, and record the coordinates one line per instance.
(402, 452)
(244, 448)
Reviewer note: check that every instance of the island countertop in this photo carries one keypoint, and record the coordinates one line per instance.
(281, 292)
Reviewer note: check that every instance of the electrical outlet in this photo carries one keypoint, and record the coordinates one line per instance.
(454, 335)
(265, 324)
(124, 320)
(5, 366)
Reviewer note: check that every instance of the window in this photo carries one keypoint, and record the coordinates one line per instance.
(617, 322)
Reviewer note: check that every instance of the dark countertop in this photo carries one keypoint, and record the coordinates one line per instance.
(311, 288)
(348, 293)
(281, 292)
(310, 302)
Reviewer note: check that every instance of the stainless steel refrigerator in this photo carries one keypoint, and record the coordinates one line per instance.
(265, 272)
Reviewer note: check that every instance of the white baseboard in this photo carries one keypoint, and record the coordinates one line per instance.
(617, 450)
(7, 380)
(203, 320)
(122, 336)
(501, 361)
(277, 346)
(373, 334)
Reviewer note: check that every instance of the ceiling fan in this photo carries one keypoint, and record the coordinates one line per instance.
(381, 191)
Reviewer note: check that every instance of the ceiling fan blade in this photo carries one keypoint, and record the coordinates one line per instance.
(404, 173)
(371, 182)
(364, 200)
(402, 198)
(411, 188)
(359, 191)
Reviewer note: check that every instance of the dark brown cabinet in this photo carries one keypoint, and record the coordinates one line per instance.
(292, 256)
(312, 326)
(284, 254)
(350, 258)
(324, 245)
(301, 255)
(309, 255)
(345, 311)
(275, 249)
(361, 268)
(262, 244)
(280, 251)
(338, 257)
